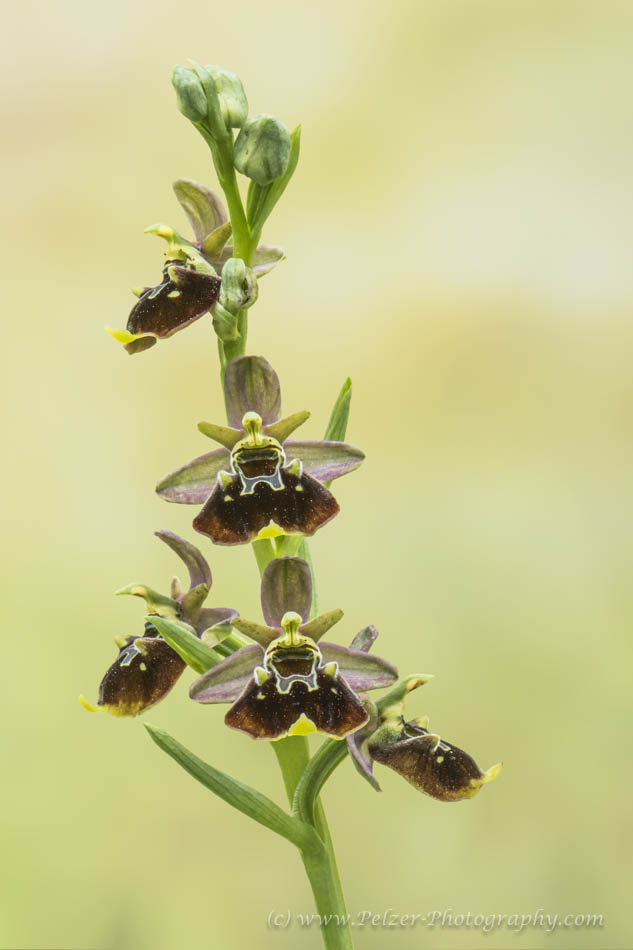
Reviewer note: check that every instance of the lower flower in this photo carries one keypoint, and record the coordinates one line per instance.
(427, 762)
(144, 672)
(286, 683)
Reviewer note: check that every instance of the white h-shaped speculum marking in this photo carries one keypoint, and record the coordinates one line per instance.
(274, 480)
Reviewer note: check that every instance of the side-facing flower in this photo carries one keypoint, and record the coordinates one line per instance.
(289, 682)
(146, 667)
(423, 758)
(191, 279)
(261, 483)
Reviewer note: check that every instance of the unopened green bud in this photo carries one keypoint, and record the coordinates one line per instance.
(239, 286)
(231, 96)
(262, 149)
(192, 100)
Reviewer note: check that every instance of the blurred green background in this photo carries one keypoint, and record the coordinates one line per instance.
(458, 240)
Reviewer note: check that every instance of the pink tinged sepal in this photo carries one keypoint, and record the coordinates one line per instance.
(361, 670)
(325, 460)
(202, 206)
(357, 747)
(251, 385)
(286, 585)
(193, 483)
(226, 681)
(266, 257)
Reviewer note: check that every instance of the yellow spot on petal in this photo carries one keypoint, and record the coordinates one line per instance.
(227, 498)
(143, 667)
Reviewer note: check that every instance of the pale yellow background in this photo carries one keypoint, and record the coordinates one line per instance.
(459, 237)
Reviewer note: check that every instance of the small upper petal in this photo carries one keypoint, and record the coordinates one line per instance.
(364, 639)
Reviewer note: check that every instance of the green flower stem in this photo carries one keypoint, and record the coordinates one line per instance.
(244, 242)
(320, 864)
(315, 775)
(292, 752)
(293, 756)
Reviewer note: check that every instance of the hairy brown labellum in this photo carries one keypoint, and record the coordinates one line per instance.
(265, 712)
(300, 506)
(183, 296)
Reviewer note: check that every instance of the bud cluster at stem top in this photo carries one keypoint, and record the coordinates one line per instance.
(214, 100)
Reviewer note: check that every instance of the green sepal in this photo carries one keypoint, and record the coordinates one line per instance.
(181, 638)
(158, 603)
(242, 797)
(202, 205)
(262, 199)
(337, 426)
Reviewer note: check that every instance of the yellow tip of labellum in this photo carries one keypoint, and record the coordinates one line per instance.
(302, 727)
(89, 706)
(124, 336)
(271, 530)
(491, 774)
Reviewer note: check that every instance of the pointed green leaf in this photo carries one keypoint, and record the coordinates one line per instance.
(181, 638)
(242, 797)
(337, 426)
